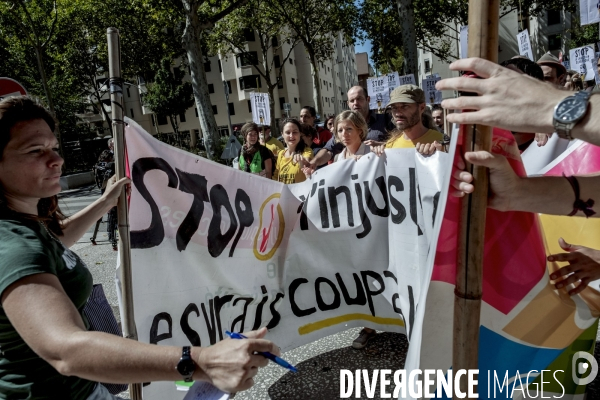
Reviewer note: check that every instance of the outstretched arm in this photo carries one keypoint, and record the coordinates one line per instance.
(47, 320)
(512, 101)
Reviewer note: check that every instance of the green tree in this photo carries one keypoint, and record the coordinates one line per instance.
(274, 40)
(582, 35)
(313, 22)
(200, 17)
(169, 95)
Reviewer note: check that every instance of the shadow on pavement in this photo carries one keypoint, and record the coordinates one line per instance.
(319, 377)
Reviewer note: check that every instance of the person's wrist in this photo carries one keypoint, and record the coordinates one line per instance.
(554, 97)
(200, 374)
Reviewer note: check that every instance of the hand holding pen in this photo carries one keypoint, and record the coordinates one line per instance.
(278, 360)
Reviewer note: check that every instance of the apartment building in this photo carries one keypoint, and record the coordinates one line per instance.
(231, 79)
(548, 32)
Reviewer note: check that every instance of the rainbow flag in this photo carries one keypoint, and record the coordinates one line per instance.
(531, 335)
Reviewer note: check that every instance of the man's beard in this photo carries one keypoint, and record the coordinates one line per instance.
(411, 120)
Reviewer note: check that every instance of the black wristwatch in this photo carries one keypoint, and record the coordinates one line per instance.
(568, 112)
(186, 366)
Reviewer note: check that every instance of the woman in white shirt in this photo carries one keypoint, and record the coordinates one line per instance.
(350, 129)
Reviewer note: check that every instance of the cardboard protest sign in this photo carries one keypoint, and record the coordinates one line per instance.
(217, 249)
(579, 57)
(524, 44)
(589, 12)
(407, 79)
(261, 112)
(378, 92)
(432, 95)
(464, 41)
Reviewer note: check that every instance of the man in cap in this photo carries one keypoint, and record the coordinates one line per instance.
(554, 71)
(406, 106)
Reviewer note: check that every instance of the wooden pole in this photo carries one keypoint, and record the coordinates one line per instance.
(483, 42)
(116, 99)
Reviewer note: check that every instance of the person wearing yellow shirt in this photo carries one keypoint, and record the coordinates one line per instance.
(297, 155)
(413, 127)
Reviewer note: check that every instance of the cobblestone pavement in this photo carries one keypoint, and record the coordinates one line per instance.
(318, 363)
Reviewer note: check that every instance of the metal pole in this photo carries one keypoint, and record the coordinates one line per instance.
(226, 87)
(116, 99)
(483, 42)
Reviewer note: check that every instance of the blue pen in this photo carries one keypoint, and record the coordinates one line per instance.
(266, 354)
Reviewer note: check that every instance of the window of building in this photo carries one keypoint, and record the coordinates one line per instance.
(214, 110)
(247, 59)
(128, 94)
(250, 82)
(228, 83)
(295, 100)
(276, 61)
(554, 42)
(211, 88)
(207, 66)
(274, 41)
(249, 35)
(293, 80)
(131, 110)
(231, 108)
(281, 102)
(553, 17)
(249, 106)
(196, 112)
(182, 117)
(162, 119)
(280, 84)
(427, 66)
(291, 61)
(220, 69)
(223, 131)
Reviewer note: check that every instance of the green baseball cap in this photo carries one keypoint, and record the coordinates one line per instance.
(407, 94)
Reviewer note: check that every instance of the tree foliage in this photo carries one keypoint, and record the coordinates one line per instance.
(169, 95)
(229, 37)
(313, 22)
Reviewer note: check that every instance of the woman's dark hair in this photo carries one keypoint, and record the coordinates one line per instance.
(301, 145)
(24, 109)
(308, 130)
(330, 116)
(526, 66)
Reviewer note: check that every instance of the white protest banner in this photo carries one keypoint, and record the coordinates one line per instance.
(217, 249)
(524, 44)
(261, 112)
(588, 12)
(579, 57)
(566, 64)
(594, 67)
(432, 95)
(378, 91)
(393, 81)
(464, 41)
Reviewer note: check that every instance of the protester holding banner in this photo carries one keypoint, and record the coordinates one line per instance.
(295, 157)
(378, 124)
(407, 106)
(47, 352)
(254, 157)
(351, 130)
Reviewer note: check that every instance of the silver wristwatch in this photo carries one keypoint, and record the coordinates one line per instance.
(568, 112)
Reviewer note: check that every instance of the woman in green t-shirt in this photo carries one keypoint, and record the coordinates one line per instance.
(254, 157)
(47, 353)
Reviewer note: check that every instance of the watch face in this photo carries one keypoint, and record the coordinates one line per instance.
(186, 366)
(570, 110)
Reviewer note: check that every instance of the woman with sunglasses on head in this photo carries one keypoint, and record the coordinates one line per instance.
(295, 157)
(47, 350)
(254, 157)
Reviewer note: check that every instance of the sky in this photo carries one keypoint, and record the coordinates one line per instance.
(361, 48)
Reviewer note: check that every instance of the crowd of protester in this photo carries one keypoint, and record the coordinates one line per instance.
(47, 349)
